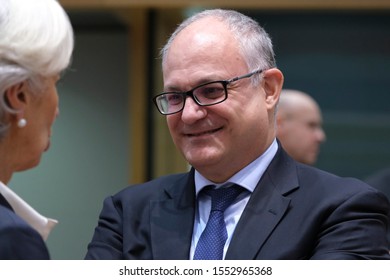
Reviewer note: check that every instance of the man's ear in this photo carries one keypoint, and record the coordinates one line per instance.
(15, 96)
(273, 83)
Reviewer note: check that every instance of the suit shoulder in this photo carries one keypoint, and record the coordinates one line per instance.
(313, 176)
(154, 187)
(11, 222)
(8, 217)
(18, 240)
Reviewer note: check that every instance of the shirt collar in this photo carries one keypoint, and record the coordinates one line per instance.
(248, 177)
(21, 208)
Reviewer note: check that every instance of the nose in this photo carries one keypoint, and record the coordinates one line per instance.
(192, 112)
(321, 137)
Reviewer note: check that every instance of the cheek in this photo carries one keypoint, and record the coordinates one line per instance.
(172, 122)
(55, 113)
(54, 110)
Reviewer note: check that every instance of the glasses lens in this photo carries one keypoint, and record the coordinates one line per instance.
(169, 103)
(211, 93)
(206, 94)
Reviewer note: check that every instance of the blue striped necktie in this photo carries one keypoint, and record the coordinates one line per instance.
(213, 238)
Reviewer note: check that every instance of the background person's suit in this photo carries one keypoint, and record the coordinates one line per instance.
(295, 212)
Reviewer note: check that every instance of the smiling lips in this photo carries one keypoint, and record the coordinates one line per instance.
(203, 133)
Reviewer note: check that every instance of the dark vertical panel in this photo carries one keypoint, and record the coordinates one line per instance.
(151, 91)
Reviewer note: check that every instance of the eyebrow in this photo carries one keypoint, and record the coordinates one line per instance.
(174, 88)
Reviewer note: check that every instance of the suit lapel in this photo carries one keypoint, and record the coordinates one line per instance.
(172, 220)
(4, 202)
(266, 207)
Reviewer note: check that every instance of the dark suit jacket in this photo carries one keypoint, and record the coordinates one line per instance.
(295, 212)
(381, 181)
(18, 241)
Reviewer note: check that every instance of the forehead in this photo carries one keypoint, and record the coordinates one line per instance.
(309, 112)
(206, 44)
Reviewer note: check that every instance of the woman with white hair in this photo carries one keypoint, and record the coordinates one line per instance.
(36, 44)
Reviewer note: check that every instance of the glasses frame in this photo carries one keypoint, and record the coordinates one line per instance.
(190, 93)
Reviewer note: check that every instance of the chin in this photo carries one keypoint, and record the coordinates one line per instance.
(199, 161)
(47, 146)
(29, 166)
(31, 163)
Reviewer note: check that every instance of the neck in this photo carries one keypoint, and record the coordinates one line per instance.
(5, 170)
(5, 178)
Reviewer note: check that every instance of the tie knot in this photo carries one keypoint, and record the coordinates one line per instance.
(221, 198)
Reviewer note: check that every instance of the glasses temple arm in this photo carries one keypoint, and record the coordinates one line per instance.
(245, 76)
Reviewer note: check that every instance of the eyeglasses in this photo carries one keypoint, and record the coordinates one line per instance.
(206, 94)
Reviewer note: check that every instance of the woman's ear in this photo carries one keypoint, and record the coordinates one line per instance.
(15, 96)
(273, 83)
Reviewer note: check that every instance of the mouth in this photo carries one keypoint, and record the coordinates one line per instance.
(208, 132)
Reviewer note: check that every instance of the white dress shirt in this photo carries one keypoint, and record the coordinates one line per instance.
(247, 178)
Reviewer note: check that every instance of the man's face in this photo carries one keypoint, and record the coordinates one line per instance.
(301, 134)
(221, 139)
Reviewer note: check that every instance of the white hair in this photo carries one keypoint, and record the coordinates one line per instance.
(254, 42)
(36, 41)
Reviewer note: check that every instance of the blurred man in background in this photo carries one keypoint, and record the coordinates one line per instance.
(299, 126)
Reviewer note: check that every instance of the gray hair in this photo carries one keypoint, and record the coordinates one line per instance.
(36, 41)
(254, 42)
